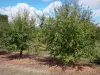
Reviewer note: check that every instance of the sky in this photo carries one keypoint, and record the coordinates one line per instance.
(9, 7)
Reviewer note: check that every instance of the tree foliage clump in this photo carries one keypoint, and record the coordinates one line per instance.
(70, 35)
(3, 29)
(98, 33)
(20, 32)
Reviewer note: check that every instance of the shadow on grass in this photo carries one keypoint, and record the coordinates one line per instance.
(51, 61)
(17, 56)
(80, 67)
(4, 52)
(96, 61)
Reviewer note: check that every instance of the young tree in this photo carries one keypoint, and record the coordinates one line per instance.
(20, 31)
(70, 35)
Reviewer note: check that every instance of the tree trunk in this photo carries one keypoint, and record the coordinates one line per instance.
(21, 53)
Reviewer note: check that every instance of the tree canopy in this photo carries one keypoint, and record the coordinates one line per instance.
(70, 35)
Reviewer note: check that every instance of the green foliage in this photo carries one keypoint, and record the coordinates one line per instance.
(3, 29)
(98, 33)
(98, 41)
(70, 35)
(20, 31)
(37, 44)
(3, 18)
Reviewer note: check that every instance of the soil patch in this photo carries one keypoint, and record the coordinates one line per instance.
(48, 64)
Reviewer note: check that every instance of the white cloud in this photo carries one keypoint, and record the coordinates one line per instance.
(91, 3)
(96, 12)
(95, 6)
(1, 10)
(97, 22)
(50, 8)
(33, 11)
(20, 7)
(11, 11)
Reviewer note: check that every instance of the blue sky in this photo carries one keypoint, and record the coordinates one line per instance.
(39, 6)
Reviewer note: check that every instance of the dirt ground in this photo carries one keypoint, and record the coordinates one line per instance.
(11, 64)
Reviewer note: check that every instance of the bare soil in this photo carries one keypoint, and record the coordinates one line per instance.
(12, 64)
